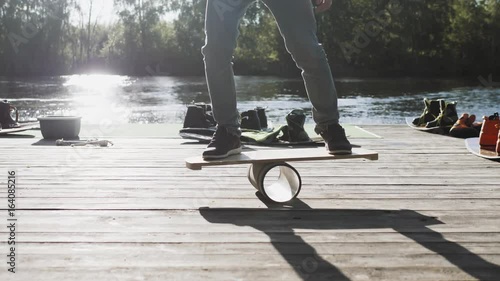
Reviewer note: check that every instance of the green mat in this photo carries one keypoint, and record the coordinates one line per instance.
(352, 132)
(168, 131)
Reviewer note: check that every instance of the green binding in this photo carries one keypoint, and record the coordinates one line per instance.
(447, 117)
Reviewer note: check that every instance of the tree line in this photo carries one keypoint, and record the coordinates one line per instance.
(361, 38)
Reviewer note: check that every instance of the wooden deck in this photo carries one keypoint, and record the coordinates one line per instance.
(426, 210)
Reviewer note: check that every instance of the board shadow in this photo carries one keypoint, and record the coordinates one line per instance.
(279, 222)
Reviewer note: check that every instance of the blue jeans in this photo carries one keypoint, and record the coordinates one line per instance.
(297, 25)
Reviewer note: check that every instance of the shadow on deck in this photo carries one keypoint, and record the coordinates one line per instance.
(280, 220)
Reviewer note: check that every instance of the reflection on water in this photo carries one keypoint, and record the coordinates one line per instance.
(124, 99)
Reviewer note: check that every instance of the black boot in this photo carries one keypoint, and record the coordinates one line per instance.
(198, 116)
(447, 117)
(295, 121)
(431, 112)
(6, 120)
(261, 112)
(450, 115)
(207, 110)
(250, 120)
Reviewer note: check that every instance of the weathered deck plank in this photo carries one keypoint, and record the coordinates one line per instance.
(426, 210)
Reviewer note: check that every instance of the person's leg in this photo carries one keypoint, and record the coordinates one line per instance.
(221, 28)
(297, 24)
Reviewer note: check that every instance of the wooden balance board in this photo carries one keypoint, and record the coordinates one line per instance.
(288, 183)
(473, 147)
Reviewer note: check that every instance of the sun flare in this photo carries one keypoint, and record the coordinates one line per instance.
(97, 96)
(96, 82)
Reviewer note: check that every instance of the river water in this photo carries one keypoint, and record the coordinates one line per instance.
(125, 99)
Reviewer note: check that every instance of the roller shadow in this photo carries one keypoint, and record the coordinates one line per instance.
(279, 222)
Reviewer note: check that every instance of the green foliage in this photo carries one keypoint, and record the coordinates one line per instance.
(361, 37)
(259, 42)
(189, 38)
